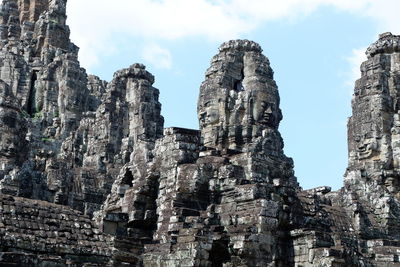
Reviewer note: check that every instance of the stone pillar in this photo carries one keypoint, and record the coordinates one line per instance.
(373, 135)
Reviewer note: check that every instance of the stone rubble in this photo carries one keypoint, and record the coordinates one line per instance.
(90, 177)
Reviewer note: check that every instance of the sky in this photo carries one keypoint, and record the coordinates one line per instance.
(315, 48)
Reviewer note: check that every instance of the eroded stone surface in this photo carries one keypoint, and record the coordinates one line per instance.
(221, 195)
(373, 173)
(72, 145)
(239, 101)
(359, 224)
(34, 232)
(66, 134)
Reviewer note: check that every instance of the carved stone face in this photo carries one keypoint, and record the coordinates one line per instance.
(210, 114)
(263, 113)
(265, 109)
(238, 100)
(366, 147)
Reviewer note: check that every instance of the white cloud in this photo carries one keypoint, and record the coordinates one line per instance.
(169, 19)
(93, 22)
(157, 56)
(386, 14)
(264, 10)
(357, 57)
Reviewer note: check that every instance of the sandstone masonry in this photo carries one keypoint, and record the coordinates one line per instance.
(90, 177)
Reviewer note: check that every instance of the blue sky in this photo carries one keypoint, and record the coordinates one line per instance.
(315, 48)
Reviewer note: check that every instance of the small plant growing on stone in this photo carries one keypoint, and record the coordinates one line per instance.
(47, 139)
(24, 114)
(37, 115)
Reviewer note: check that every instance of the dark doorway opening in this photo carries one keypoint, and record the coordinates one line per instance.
(219, 253)
(238, 84)
(128, 178)
(31, 104)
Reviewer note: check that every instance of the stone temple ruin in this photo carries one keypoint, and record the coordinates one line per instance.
(90, 177)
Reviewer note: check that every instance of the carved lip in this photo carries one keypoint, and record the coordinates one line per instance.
(365, 151)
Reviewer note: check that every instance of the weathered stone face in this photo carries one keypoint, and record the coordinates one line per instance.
(222, 196)
(239, 98)
(79, 131)
(373, 175)
(198, 208)
(375, 108)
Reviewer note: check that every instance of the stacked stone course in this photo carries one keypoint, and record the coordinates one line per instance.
(89, 176)
(34, 232)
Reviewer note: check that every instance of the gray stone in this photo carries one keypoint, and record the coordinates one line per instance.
(88, 175)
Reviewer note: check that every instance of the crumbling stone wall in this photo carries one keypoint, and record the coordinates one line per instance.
(221, 195)
(359, 224)
(231, 199)
(73, 146)
(373, 173)
(39, 233)
(71, 133)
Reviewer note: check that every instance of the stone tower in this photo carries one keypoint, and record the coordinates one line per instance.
(74, 148)
(66, 134)
(359, 224)
(239, 100)
(373, 174)
(221, 195)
